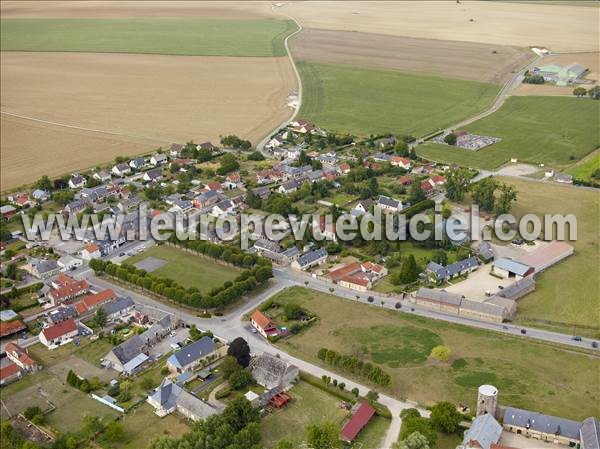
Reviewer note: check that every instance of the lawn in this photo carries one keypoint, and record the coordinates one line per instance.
(190, 37)
(585, 168)
(529, 374)
(187, 269)
(367, 101)
(142, 426)
(567, 295)
(312, 405)
(549, 130)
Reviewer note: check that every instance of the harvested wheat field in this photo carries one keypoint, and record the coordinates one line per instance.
(150, 97)
(560, 28)
(466, 60)
(134, 9)
(32, 149)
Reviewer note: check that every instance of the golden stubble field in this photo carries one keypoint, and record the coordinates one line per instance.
(466, 60)
(560, 28)
(143, 100)
(136, 9)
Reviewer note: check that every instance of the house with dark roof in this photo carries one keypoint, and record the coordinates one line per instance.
(546, 428)
(76, 181)
(589, 433)
(484, 432)
(62, 313)
(152, 175)
(361, 415)
(310, 259)
(192, 355)
(170, 397)
(43, 268)
(388, 204)
(439, 273)
(118, 308)
(122, 169)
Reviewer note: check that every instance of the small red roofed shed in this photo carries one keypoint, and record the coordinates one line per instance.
(359, 420)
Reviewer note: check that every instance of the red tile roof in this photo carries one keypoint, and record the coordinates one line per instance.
(60, 329)
(11, 327)
(356, 280)
(360, 419)
(405, 180)
(69, 290)
(344, 271)
(261, 320)
(90, 301)
(214, 185)
(19, 353)
(91, 248)
(9, 371)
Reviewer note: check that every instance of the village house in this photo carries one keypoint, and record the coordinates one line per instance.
(77, 206)
(69, 263)
(214, 186)
(42, 195)
(206, 146)
(118, 308)
(122, 169)
(192, 355)
(272, 372)
(344, 168)
(363, 207)
(90, 251)
(137, 164)
(59, 334)
(76, 181)
(323, 229)
(158, 159)
(7, 211)
(9, 373)
(439, 273)
(389, 205)
(152, 175)
(62, 313)
(357, 276)
(43, 268)
(11, 327)
(483, 433)
(402, 162)
(20, 357)
(262, 192)
(65, 288)
(289, 187)
(175, 150)
(170, 397)
(310, 259)
(301, 126)
(206, 199)
(263, 324)
(550, 429)
(405, 180)
(91, 302)
(223, 208)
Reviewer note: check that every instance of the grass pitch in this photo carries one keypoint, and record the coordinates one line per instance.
(187, 269)
(367, 101)
(552, 381)
(189, 37)
(549, 130)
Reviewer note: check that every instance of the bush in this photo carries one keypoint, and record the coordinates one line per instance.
(450, 139)
(223, 393)
(441, 353)
(355, 391)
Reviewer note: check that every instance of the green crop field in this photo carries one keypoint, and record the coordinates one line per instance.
(187, 269)
(587, 166)
(567, 295)
(367, 101)
(551, 382)
(191, 37)
(552, 130)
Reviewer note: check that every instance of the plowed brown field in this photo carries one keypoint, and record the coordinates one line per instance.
(466, 60)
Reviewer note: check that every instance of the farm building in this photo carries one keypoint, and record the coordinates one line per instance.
(484, 432)
(562, 76)
(547, 255)
(484, 311)
(361, 415)
(310, 259)
(272, 372)
(438, 300)
(518, 289)
(508, 268)
(358, 276)
(439, 273)
(170, 397)
(546, 428)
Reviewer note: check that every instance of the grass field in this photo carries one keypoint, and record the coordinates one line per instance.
(551, 130)
(189, 37)
(587, 166)
(187, 269)
(567, 295)
(368, 101)
(312, 405)
(552, 381)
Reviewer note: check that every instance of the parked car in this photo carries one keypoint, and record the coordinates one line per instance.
(576, 338)
(398, 305)
(594, 344)
(523, 331)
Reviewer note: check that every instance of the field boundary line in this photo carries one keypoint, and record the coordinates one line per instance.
(81, 128)
(263, 142)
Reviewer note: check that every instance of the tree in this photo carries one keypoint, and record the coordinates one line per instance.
(441, 353)
(409, 272)
(239, 412)
(508, 195)
(457, 184)
(99, 319)
(440, 257)
(256, 156)
(44, 183)
(401, 148)
(64, 197)
(114, 431)
(240, 350)
(415, 440)
(450, 139)
(228, 163)
(580, 92)
(292, 311)
(594, 93)
(240, 379)
(323, 436)
(483, 193)
(92, 425)
(445, 418)
(416, 194)
(416, 423)
(372, 395)
(228, 366)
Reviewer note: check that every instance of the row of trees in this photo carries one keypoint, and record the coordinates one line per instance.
(233, 141)
(218, 297)
(593, 93)
(354, 365)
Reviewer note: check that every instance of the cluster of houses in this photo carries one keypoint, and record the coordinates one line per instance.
(486, 432)
(20, 364)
